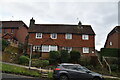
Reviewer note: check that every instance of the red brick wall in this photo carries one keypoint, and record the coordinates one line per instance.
(76, 40)
(21, 34)
(114, 39)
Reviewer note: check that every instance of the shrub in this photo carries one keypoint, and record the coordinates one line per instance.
(65, 56)
(23, 60)
(54, 57)
(36, 55)
(40, 63)
(75, 56)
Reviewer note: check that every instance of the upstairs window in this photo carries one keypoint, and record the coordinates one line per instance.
(39, 35)
(54, 36)
(85, 37)
(85, 50)
(110, 43)
(68, 36)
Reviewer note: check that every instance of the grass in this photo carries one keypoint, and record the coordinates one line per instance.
(19, 70)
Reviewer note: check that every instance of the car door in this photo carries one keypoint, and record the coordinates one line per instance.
(83, 75)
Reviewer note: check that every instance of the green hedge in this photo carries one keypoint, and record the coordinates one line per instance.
(110, 52)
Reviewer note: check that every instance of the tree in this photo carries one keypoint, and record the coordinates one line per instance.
(75, 56)
(54, 57)
(64, 56)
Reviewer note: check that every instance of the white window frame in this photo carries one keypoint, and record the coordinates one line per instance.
(52, 36)
(45, 48)
(110, 43)
(69, 49)
(68, 36)
(36, 48)
(85, 37)
(53, 48)
(38, 35)
(86, 50)
(49, 48)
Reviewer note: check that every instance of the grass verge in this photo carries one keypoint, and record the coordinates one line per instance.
(19, 70)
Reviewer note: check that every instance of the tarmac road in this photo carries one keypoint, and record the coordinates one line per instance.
(6, 76)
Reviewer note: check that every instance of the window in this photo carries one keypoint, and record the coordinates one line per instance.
(110, 44)
(85, 37)
(12, 30)
(38, 35)
(53, 48)
(54, 36)
(48, 48)
(68, 36)
(85, 50)
(45, 48)
(68, 49)
(36, 48)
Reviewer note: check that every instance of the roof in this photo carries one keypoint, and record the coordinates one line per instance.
(61, 28)
(13, 24)
(116, 29)
(9, 35)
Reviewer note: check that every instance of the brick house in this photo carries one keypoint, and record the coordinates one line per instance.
(15, 31)
(113, 38)
(56, 37)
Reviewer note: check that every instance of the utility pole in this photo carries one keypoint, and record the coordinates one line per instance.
(30, 56)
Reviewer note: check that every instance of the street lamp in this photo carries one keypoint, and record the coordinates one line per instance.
(30, 56)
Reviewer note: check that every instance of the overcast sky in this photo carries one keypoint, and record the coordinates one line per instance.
(101, 15)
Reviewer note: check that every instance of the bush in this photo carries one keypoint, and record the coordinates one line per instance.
(4, 44)
(114, 67)
(23, 60)
(75, 56)
(65, 56)
(54, 57)
(36, 55)
(40, 63)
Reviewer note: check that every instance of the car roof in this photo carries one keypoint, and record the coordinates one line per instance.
(68, 64)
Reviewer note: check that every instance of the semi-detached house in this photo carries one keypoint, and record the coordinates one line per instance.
(56, 37)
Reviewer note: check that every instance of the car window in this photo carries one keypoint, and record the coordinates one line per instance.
(73, 67)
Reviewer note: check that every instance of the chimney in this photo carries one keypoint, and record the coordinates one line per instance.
(32, 22)
(80, 25)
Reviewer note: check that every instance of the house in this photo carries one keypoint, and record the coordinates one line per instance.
(15, 31)
(56, 37)
(113, 39)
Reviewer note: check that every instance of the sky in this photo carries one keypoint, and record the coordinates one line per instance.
(102, 15)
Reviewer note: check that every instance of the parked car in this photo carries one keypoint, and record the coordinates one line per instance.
(66, 71)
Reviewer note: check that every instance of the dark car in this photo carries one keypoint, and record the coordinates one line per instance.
(66, 71)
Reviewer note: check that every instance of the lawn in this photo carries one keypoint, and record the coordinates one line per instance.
(19, 70)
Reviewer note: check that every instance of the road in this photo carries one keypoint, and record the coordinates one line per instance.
(6, 76)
